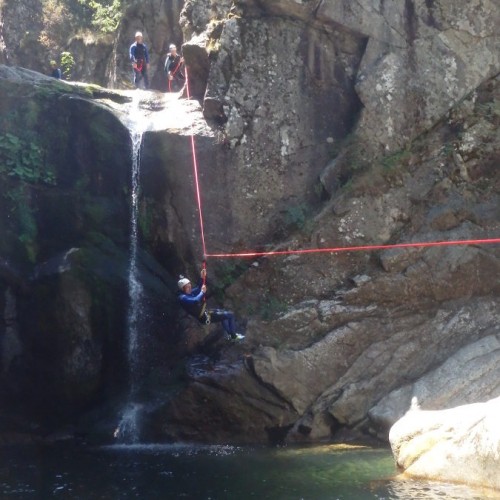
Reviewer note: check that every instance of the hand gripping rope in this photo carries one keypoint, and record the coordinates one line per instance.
(364, 248)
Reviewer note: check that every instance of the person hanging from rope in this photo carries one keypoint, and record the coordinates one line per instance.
(139, 56)
(173, 68)
(193, 301)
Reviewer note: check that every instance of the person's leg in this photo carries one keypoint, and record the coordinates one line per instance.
(226, 318)
(137, 78)
(178, 84)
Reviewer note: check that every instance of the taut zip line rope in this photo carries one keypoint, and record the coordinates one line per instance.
(365, 248)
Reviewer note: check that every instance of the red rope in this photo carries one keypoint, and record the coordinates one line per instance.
(196, 179)
(173, 74)
(356, 248)
(365, 248)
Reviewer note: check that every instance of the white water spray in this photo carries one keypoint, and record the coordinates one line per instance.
(128, 429)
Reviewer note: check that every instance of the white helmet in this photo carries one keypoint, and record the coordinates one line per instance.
(172, 46)
(138, 33)
(182, 283)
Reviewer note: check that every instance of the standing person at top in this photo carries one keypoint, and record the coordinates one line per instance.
(173, 69)
(140, 61)
(193, 301)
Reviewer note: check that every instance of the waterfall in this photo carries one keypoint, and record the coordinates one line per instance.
(135, 289)
(128, 430)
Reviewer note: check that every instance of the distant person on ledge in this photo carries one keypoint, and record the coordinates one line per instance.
(173, 69)
(193, 301)
(54, 70)
(139, 56)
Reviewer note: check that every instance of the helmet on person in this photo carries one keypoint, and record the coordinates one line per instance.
(182, 283)
(172, 46)
(138, 33)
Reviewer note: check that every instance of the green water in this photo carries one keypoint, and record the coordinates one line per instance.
(211, 472)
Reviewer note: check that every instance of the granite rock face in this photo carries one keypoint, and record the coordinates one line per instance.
(407, 151)
(459, 445)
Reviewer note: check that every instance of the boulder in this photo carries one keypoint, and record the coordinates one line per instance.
(459, 445)
(468, 376)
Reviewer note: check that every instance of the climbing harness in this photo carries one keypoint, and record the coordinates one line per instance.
(179, 64)
(331, 250)
(139, 65)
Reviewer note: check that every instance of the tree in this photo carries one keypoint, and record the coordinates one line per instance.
(106, 14)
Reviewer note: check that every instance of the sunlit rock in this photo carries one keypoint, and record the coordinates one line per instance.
(459, 445)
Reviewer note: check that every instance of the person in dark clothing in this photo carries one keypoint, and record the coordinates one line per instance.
(139, 56)
(193, 301)
(54, 70)
(173, 68)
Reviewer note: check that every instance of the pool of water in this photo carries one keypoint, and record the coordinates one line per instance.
(210, 472)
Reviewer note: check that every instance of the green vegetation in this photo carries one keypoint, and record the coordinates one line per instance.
(146, 218)
(297, 217)
(24, 159)
(21, 212)
(105, 14)
(395, 160)
(214, 30)
(271, 307)
(489, 109)
(228, 272)
(62, 19)
(67, 64)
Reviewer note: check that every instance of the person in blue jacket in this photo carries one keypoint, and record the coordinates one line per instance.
(55, 72)
(139, 56)
(193, 301)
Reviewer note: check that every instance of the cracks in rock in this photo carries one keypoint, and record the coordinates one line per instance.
(391, 28)
(250, 366)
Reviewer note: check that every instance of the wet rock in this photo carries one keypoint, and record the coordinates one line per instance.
(66, 225)
(234, 405)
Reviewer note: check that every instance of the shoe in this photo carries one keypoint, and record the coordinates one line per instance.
(238, 336)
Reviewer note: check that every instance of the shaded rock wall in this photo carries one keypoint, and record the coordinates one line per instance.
(65, 227)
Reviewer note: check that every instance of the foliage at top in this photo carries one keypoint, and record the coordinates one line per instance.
(63, 18)
(105, 14)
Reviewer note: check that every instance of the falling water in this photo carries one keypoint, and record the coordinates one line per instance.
(128, 429)
(135, 289)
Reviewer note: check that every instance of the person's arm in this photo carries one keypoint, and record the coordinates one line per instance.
(146, 54)
(132, 52)
(192, 298)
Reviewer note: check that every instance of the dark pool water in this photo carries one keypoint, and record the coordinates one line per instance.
(210, 472)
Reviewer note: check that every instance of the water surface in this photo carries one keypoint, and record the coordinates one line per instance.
(210, 472)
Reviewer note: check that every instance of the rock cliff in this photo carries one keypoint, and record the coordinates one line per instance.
(328, 124)
(353, 123)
